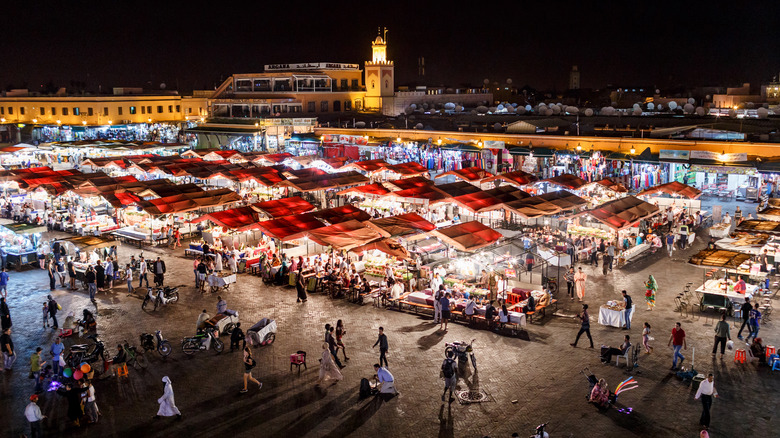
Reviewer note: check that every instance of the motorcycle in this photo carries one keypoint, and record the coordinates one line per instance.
(462, 350)
(202, 341)
(135, 358)
(90, 354)
(163, 347)
(160, 296)
(540, 433)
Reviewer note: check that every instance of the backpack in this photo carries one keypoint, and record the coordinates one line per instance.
(448, 368)
(365, 388)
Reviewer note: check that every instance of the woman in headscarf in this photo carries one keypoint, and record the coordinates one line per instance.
(328, 368)
(579, 283)
(167, 404)
(651, 287)
(299, 286)
(5, 314)
(600, 394)
(100, 276)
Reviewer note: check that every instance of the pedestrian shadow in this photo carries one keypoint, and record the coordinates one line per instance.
(464, 372)
(446, 425)
(356, 419)
(428, 341)
(421, 327)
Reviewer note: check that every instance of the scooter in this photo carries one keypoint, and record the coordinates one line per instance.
(163, 347)
(462, 350)
(202, 342)
(160, 296)
(81, 353)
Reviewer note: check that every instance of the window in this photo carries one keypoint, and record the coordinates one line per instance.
(10, 110)
(65, 111)
(170, 108)
(21, 110)
(76, 111)
(159, 109)
(105, 110)
(178, 108)
(355, 84)
(347, 105)
(89, 111)
(344, 83)
(336, 106)
(119, 110)
(324, 106)
(143, 110)
(43, 111)
(312, 107)
(2, 110)
(53, 111)
(149, 109)
(132, 110)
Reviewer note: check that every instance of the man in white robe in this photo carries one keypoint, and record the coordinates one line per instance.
(167, 404)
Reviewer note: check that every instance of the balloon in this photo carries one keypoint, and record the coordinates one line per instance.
(78, 374)
(85, 368)
(67, 372)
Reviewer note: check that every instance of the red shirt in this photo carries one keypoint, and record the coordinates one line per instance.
(677, 336)
(740, 287)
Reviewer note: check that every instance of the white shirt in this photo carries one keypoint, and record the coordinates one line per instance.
(91, 394)
(33, 412)
(143, 267)
(129, 272)
(706, 387)
(470, 307)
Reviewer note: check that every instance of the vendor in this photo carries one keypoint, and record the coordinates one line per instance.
(740, 287)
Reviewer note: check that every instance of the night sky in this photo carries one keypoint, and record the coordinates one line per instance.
(627, 43)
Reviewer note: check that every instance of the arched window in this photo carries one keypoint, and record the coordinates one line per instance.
(373, 84)
(387, 83)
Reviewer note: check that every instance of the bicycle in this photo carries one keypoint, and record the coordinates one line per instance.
(135, 358)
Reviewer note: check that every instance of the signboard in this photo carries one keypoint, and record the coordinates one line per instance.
(494, 144)
(312, 66)
(668, 154)
(510, 273)
(345, 139)
(723, 158)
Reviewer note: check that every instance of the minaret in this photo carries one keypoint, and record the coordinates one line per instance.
(380, 74)
(574, 78)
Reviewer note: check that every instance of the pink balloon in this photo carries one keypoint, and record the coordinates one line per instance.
(78, 374)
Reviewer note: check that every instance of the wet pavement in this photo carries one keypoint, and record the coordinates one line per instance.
(529, 379)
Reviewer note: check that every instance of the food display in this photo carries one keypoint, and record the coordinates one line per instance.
(375, 266)
(590, 232)
(615, 305)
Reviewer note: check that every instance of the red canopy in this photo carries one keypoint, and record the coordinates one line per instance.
(468, 236)
(478, 202)
(344, 213)
(284, 207)
(408, 183)
(240, 219)
(390, 247)
(369, 166)
(622, 213)
(344, 235)
(517, 178)
(546, 204)
(401, 225)
(274, 158)
(375, 189)
(470, 174)
(675, 188)
(568, 181)
(419, 194)
(612, 185)
(290, 227)
(407, 169)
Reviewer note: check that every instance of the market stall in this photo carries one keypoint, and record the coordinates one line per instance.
(516, 178)
(277, 208)
(20, 243)
(472, 175)
(613, 313)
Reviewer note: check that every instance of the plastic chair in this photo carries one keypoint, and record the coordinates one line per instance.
(770, 350)
(774, 361)
(298, 359)
(625, 356)
(122, 371)
(739, 356)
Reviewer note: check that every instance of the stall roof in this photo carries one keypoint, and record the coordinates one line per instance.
(470, 174)
(567, 181)
(517, 178)
(674, 188)
(340, 214)
(408, 183)
(334, 162)
(344, 235)
(468, 236)
(274, 158)
(546, 204)
(507, 193)
(239, 219)
(189, 201)
(266, 176)
(327, 181)
(622, 213)
(390, 247)
(277, 208)
(410, 168)
(457, 188)
(375, 189)
(769, 213)
(290, 227)
(478, 202)
(84, 243)
(610, 184)
(759, 226)
(402, 225)
(719, 258)
(420, 193)
(369, 166)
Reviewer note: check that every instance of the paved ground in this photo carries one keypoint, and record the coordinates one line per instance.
(530, 379)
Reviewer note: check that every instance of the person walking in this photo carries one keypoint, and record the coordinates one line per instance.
(569, 277)
(670, 242)
(300, 287)
(52, 270)
(4, 282)
(579, 281)
(646, 338)
(45, 314)
(629, 309)
(90, 407)
(705, 393)
(437, 303)
(450, 375)
(109, 271)
(445, 305)
(91, 277)
(159, 271)
(73, 394)
(754, 322)
(651, 287)
(328, 368)
(721, 333)
(54, 307)
(340, 332)
(36, 364)
(7, 347)
(332, 346)
(383, 347)
(677, 341)
(71, 275)
(585, 326)
(60, 271)
(5, 315)
(610, 254)
(129, 278)
(143, 270)
(745, 311)
(34, 416)
(249, 365)
(100, 276)
(56, 354)
(236, 336)
(167, 403)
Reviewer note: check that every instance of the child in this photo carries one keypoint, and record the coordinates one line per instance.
(45, 315)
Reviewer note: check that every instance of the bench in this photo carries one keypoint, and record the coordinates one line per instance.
(192, 252)
(415, 306)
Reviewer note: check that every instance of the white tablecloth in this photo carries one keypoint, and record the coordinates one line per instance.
(554, 258)
(615, 318)
(713, 287)
(720, 231)
(217, 281)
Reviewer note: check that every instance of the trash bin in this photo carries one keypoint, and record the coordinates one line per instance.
(697, 380)
(242, 266)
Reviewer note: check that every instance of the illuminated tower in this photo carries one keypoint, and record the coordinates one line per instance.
(574, 78)
(380, 74)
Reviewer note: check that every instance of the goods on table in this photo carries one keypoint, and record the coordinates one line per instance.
(590, 232)
(615, 305)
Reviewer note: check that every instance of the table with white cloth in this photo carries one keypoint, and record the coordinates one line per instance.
(715, 293)
(554, 258)
(217, 282)
(615, 318)
(720, 231)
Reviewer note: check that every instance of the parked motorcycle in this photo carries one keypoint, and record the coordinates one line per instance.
(135, 358)
(163, 347)
(160, 296)
(202, 342)
(462, 351)
(90, 354)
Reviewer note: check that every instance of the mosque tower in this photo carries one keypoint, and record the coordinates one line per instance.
(380, 74)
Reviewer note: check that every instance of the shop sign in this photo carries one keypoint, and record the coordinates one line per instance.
(668, 154)
(345, 139)
(494, 144)
(724, 158)
(510, 273)
(731, 170)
